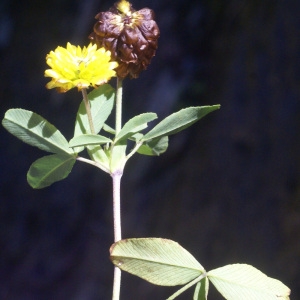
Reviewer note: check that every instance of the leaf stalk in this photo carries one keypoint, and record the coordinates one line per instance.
(88, 110)
(187, 286)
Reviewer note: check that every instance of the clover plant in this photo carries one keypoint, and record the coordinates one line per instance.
(122, 45)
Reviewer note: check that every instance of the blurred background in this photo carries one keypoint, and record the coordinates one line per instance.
(227, 189)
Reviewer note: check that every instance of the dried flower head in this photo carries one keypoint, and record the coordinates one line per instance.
(75, 67)
(130, 35)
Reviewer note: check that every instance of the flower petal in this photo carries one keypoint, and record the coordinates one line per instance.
(74, 66)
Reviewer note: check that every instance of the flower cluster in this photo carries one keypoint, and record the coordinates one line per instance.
(75, 67)
(131, 37)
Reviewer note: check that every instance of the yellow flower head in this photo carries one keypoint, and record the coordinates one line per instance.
(75, 67)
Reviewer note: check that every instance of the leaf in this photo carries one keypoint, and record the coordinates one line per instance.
(88, 139)
(49, 169)
(34, 130)
(97, 154)
(159, 261)
(241, 281)
(102, 102)
(201, 290)
(178, 121)
(118, 157)
(156, 146)
(108, 129)
(135, 124)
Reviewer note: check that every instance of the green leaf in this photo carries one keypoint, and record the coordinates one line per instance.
(88, 139)
(201, 290)
(178, 121)
(241, 281)
(135, 125)
(118, 157)
(34, 130)
(49, 169)
(102, 102)
(159, 261)
(136, 137)
(97, 154)
(109, 129)
(156, 146)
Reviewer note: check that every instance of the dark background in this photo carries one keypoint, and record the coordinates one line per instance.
(227, 189)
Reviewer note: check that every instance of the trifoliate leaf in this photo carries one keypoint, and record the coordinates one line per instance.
(154, 147)
(135, 125)
(49, 169)
(244, 282)
(36, 131)
(159, 261)
(178, 121)
(88, 139)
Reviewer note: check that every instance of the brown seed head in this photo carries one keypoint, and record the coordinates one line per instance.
(131, 37)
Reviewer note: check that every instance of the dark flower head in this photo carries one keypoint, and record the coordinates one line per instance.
(131, 37)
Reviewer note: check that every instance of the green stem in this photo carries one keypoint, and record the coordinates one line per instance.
(134, 150)
(117, 284)
(117, 229)
(116, 177)
(93, 163)
(187, 286)
(119, 95)
(88, 110)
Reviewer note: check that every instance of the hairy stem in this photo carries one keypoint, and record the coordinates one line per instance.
(117, 284)
(117, 229)
(93, 163)
(119, 94)
(134, 150)
(116, 177)
(88, 110)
